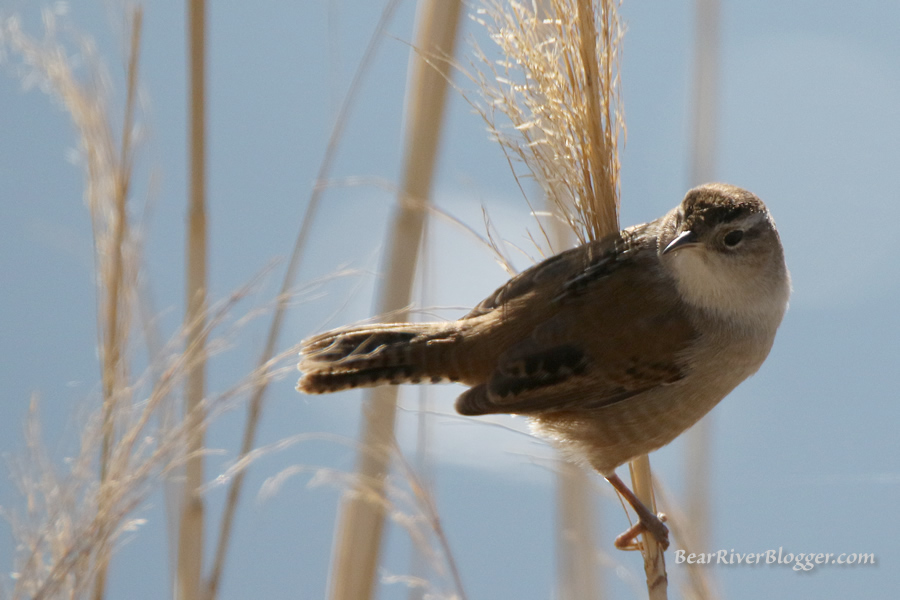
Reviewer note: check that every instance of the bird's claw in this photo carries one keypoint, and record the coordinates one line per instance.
(653, 525)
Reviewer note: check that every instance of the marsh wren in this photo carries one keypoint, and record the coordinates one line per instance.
(612, 349)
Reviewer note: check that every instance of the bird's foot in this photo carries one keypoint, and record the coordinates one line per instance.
(649, 523)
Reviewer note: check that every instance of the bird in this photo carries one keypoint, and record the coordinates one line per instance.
(612, 349)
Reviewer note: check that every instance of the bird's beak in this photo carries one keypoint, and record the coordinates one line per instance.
(684, 239)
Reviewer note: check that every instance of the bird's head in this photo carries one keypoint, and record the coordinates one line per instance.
(724, 252)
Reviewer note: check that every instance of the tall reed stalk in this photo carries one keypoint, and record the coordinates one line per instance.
(258, 392)
(556, 88)
(702, 170)
(361, 522)
(190, 530)
(577, 570)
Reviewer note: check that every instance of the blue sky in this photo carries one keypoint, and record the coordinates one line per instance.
(805, 454)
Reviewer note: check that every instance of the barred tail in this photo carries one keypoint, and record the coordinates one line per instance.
(371, 355)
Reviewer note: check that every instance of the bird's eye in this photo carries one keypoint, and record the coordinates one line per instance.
(733, 238)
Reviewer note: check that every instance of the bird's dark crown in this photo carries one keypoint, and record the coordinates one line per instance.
(716, 203)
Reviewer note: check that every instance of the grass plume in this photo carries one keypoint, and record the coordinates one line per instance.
(108, 171)
(552, 102)
(74, 514)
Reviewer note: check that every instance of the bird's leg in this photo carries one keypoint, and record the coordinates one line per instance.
(647, 521)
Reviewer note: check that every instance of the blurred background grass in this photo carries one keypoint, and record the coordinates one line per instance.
(804, 454)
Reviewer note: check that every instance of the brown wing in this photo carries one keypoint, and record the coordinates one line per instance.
(618, 328)
(548, 272)
(566, 273)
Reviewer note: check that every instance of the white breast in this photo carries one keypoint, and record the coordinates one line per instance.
(749, 294)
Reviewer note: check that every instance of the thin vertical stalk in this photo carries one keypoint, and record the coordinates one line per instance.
(422, 464)
(654, 557)
(190, 532)
(577, 572)
(703, 155)
(705, 91)
(361, 522)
